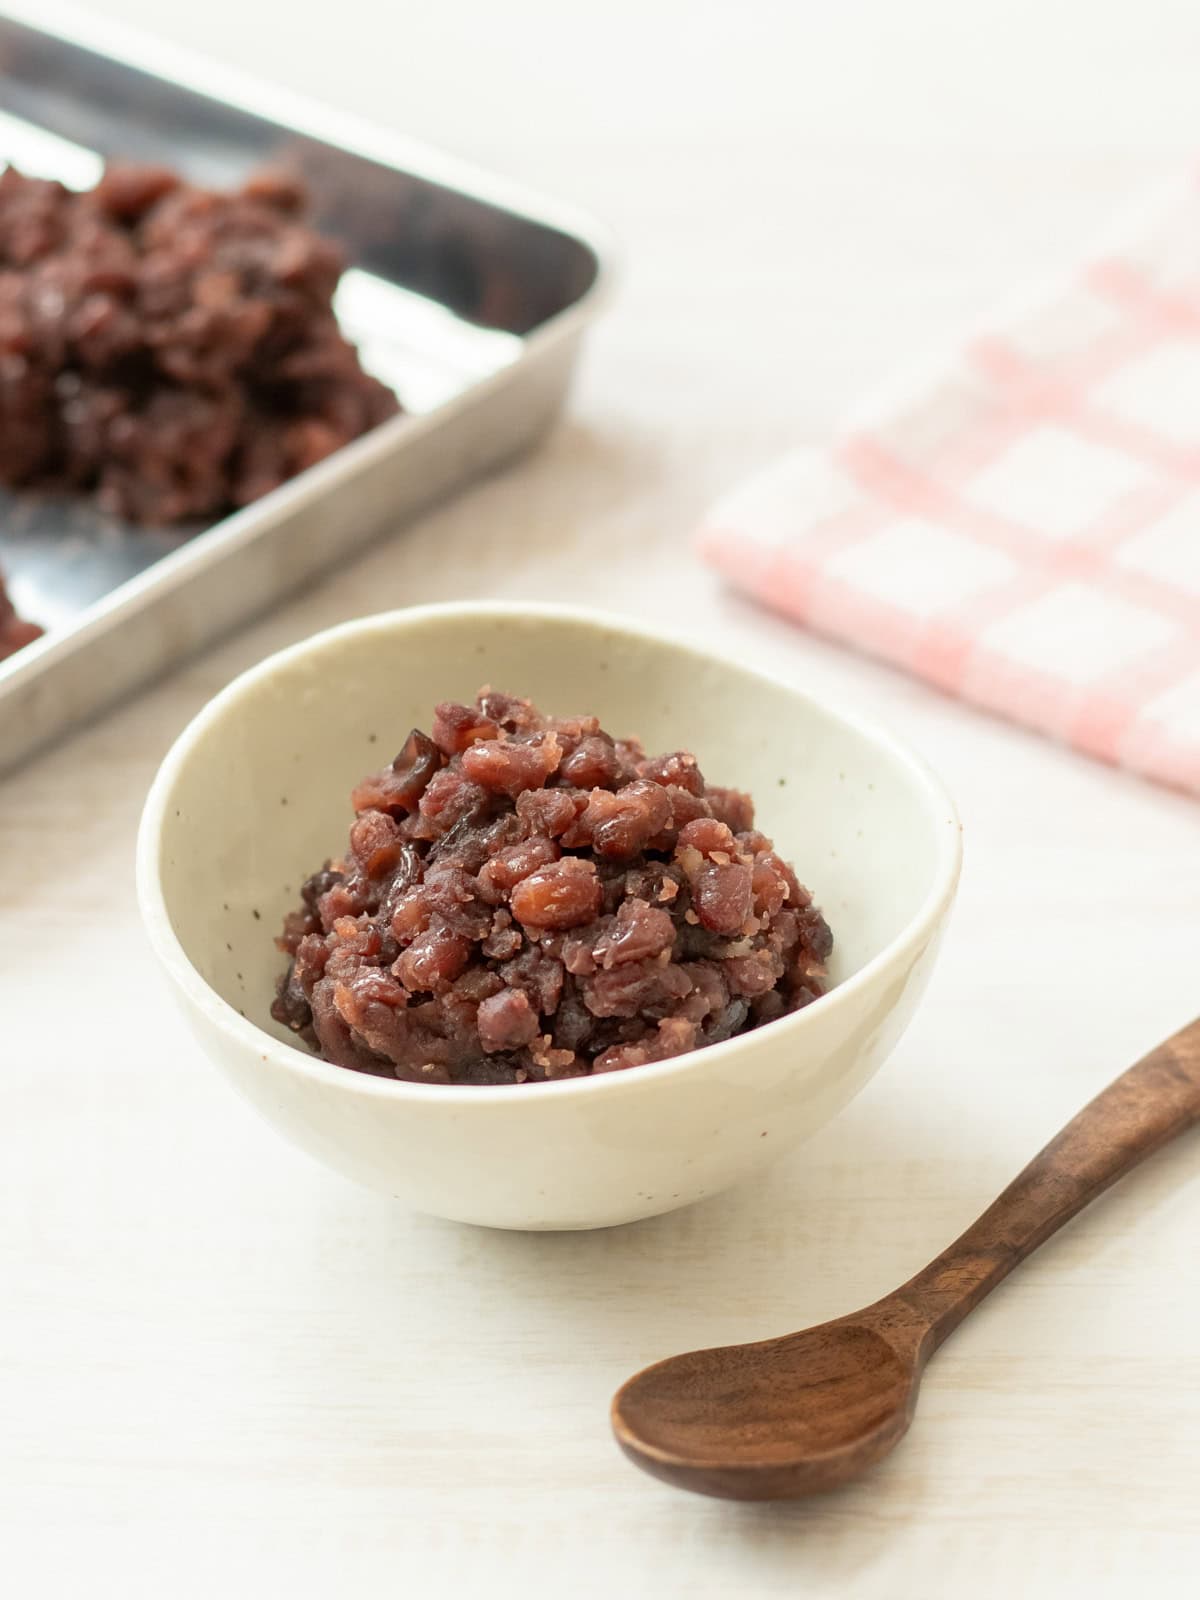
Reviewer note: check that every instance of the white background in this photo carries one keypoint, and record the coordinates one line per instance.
(223, 1371)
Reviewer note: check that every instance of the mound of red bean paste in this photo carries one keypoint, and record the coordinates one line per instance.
(527, 898)
(171, 350)
(168, 350)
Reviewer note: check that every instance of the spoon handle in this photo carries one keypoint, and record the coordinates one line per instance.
(1131, 1119)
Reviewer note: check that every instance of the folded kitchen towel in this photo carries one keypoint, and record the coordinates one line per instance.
(1021, 526)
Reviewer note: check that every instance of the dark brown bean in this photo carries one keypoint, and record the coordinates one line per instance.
(592, 764)
(507, 1021)
(434, 959)
(723, 897)
(502, 872)
(563, 895)
(677, 770)
(637, 932)
(732, 807)
(456, 726)
(508, 767)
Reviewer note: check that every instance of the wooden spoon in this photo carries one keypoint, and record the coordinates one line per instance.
(810, 1411)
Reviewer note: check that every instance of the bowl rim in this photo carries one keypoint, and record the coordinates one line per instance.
(224, 1016)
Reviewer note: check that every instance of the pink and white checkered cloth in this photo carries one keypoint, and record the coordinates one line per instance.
(1022, 528)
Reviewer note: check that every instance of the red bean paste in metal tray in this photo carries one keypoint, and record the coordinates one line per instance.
(170, 351)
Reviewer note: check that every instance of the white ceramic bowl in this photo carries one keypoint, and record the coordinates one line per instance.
(254, 796)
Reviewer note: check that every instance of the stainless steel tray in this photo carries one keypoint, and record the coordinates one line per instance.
(467, 296)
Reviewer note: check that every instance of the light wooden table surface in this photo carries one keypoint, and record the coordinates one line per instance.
(225, 1372)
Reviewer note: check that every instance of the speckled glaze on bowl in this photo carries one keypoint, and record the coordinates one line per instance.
(254, 795)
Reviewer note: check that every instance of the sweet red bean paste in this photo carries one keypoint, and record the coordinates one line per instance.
(170, 350)
(527, 898)
(14, 631)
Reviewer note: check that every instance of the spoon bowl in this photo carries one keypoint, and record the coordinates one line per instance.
(774, 1420)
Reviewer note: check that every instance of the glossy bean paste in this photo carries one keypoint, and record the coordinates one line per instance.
(527, 898)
